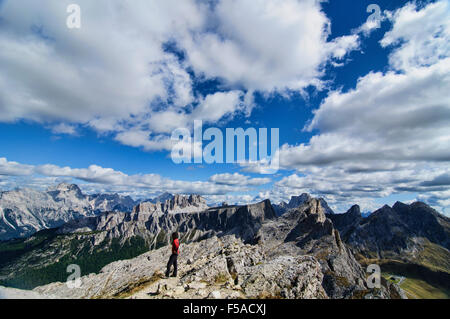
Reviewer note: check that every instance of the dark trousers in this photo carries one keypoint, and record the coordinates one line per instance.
(172, 261)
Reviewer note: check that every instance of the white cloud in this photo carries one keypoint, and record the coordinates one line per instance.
(97, 178)
(13, 168)
(64, 128)
(114, 75)
(210, 109)
(143, 139)
(389, 134)
(341, 46)
(237, 179)
(423, 35)
(387, 117)
(266, 45)
(230, 199)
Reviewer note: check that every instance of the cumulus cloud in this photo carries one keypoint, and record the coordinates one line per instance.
(387, 116)
(96, 178)
(423, 36)
(391, 133)
(237, 179)
(441, 180)
(8, 168)
(266, 45)
(398, 116)
(64, 128)
(116, 76)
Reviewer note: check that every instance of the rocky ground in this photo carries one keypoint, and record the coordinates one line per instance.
(215, 268)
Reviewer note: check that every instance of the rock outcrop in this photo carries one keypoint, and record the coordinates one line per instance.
(175, 204)
(347, 222)
(306, 230)
(297, 201)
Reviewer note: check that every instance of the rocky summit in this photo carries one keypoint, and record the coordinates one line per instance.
(296, 201)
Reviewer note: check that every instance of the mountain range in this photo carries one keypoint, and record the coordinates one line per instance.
(411, 240)
(25, 211)
(300, 249)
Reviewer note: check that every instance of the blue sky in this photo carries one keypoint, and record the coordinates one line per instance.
(362, 108)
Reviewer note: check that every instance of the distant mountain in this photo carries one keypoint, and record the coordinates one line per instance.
(365, 214)
(161, 198)
(411, 240)
(111, 202)
(25, 211)
(297, 201)
(393, 230)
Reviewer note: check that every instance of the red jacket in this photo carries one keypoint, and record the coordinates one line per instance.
(175, 246)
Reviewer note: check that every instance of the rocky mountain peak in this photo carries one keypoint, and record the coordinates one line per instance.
(399, 207)
(176, 204)
(314, 207)
(297, 201)
(64, 190)
(355, 210)
(161, 198)
(66, 187)
(347, 221)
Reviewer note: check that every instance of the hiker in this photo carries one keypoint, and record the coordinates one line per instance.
(174, 256)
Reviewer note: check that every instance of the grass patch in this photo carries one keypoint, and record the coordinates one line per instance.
(322, 254)
(138, 286)
(221, 278)
(435, 257)
(267, 295)
(420, 281)
(342, 281)
(359, 294)
(419, 289)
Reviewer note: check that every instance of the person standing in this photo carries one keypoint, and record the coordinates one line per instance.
(174, 256)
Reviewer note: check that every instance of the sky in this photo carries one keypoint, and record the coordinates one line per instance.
(357, 90)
